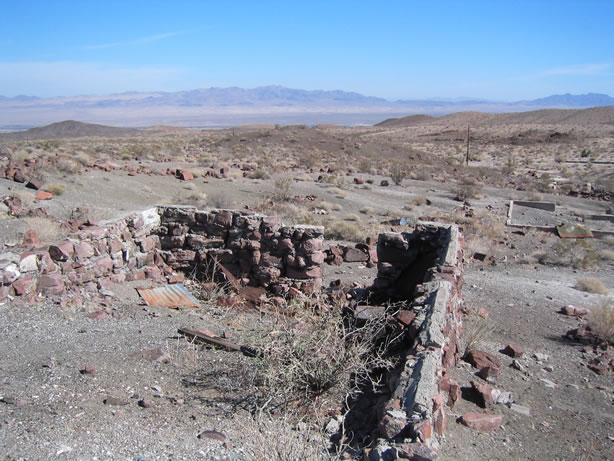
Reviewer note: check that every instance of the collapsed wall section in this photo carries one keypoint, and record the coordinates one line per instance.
(424, 269)
(163, 244)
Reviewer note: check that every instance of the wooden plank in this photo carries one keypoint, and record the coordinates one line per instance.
(217, 341)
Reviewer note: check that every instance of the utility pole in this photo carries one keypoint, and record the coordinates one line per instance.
(467, 157)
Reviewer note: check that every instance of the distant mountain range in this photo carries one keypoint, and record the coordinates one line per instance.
(219, 107)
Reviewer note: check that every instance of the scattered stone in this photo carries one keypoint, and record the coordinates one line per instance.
(98, 315)
(35, 184)
(215, 435)
(88, 370)
(541, 357)
(486, 394)
(504, 398)
(489, 373)
(50, 284)
(185, 175)
(405, 317)
(31, 239)
(513, 350)
(384, 183)
(157, 355)
(549, 368)
(517, 364)
(520, 409)
(43, 195)
(480, 359)
(115, 401)
(481, 421)
(146, 403)
(574, 311)
(548, 383)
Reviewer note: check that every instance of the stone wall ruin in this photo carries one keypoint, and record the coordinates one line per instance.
(421, 269)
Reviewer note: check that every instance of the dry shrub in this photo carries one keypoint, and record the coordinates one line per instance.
(283, 189)
(199, 200)
(343, 230)
(398, 173)
(591, 285)
(66, 165)
(352, 217)
(601, 320)
(260, 174)
(466, 189)
(488, 226)
(321, 353)
(219, 201)
(607, 255)
(578, 254)
(56, 189)
(48, 231)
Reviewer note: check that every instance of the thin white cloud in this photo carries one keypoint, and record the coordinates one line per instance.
(70, 78)
(136, 41)
(581, 69)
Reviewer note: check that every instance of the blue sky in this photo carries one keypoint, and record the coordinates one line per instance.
(502, 50)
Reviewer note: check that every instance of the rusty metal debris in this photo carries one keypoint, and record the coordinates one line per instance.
(173, 296)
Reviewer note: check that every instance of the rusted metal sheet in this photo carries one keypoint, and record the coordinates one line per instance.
(573, 231)
(173, 296)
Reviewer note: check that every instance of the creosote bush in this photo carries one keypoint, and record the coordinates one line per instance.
(322, 352)
(283, 189)
(601, 320)
(398, 173)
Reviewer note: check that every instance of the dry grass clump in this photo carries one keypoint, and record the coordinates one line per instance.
(56, 189)
(476, 331)
(591, 285)
(607, 255)
(338, 193)
(259, 173)
(343, 230)
(25, 197)
(601, 320)
(367, 210)
(279, 439)
(419, 200)
(48, 231)
(352, 217)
